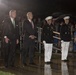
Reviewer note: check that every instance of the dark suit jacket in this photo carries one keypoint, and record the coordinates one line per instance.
(9, 30)
(27, 31)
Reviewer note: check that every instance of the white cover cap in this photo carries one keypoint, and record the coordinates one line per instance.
(66, 17)
(49, 17)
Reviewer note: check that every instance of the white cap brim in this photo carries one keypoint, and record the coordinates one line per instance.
(67, 17)
(49, 17)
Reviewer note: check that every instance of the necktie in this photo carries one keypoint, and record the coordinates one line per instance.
(32, 24)
(13, 21)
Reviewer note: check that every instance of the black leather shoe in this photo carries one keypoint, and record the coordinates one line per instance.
(6, 66)
(48, 62)
(25, 64)
(12, 66)
(65, 60)
(32, 63)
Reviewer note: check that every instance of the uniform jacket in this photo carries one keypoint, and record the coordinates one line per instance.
(48, 33)
(65, 32)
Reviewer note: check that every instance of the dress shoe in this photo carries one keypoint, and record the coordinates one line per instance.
(6, 66)
(25, 64)
(65, 60)
(48, 62)
(32, 63)
(12, 66)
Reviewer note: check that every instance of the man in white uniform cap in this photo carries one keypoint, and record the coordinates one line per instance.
(65, 38)
(48, 39)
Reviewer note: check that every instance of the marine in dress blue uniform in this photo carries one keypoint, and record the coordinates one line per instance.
(48, 39)
(65, 34)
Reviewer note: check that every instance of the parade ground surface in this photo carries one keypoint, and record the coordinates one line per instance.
(58, 67)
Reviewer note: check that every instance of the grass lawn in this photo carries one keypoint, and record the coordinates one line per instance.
(5, 73)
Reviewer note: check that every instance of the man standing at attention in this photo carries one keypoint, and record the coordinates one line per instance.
(65, 34)
(28, 40)
(48, 39)
(11, 38)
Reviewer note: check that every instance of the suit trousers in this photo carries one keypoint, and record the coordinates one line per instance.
(65, 49)
(28, 49)
(9, 53)
(48, 52)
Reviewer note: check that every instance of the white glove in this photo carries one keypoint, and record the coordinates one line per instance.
(62, 41)
(44, 42)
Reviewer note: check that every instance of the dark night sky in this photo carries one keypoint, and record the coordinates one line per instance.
(39, 7)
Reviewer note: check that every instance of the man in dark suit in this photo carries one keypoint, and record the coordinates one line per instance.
(29, 39)
(11, 38)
